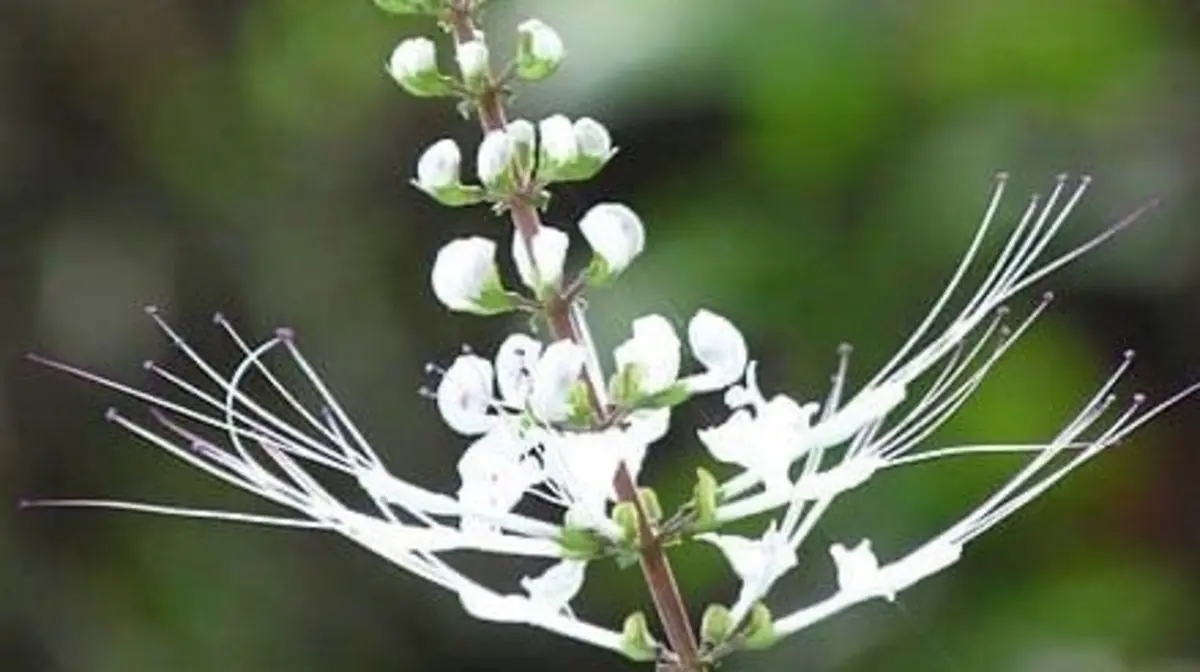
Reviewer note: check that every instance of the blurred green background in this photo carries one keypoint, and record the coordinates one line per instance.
(810, 168)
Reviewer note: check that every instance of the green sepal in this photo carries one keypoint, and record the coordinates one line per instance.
(456, 195)
(636, 641)
(705, 498)
(598, 273)
(493, 300)
(582, 168)
(578, 543)
(716, 626)
(650, 504)
(432, 84)
(529, 67)
(672, 396)
(624, 388)
(625, 515)
(759, 632)
(579, 404)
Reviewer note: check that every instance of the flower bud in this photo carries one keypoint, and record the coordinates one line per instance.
(438, 175)
(524, 138)
(414, 67)
(472, 60)
(616, 235)
(593, 138)
(539, 50)
(545, 270)
(559, 147)
(495, 161)
(465, 277)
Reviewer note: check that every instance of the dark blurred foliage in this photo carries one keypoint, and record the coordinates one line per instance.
(810, 168)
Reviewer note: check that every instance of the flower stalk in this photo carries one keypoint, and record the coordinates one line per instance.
(655, 565)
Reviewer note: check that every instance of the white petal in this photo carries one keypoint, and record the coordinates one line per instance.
(489, 606)
(472, 58)
(413, 57)
(555, 373)
(464, 395)
(864, 409)
(522, 132)
(495, 156)
(545, 43)
(654, 348)
(439, 165)
(558, 139)
(926, 561)
(557, 586)
(592, 138)
(549, 255)
(515, 362)
(757, 562)
(615, 233)
(720, 347)
(857, 568)
(495, 473)
(462, 270)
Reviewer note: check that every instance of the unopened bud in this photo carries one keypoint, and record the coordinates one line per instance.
(539, 50)
(414, 67)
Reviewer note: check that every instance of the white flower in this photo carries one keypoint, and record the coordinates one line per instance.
(615, 233)
(549, 254)
(584, 465)
(758, 443)
(515, 361)
(495, 471)
(465, 277)
(413, 58)
(720, 347)
(559, 144)
(464, 395)
(540, 50)
(556, 372)
(592, 139)
(495, 158)
(757, 562)
(472, 59)
(438, 167)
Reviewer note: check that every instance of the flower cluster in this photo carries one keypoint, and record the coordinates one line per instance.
(547, 423)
